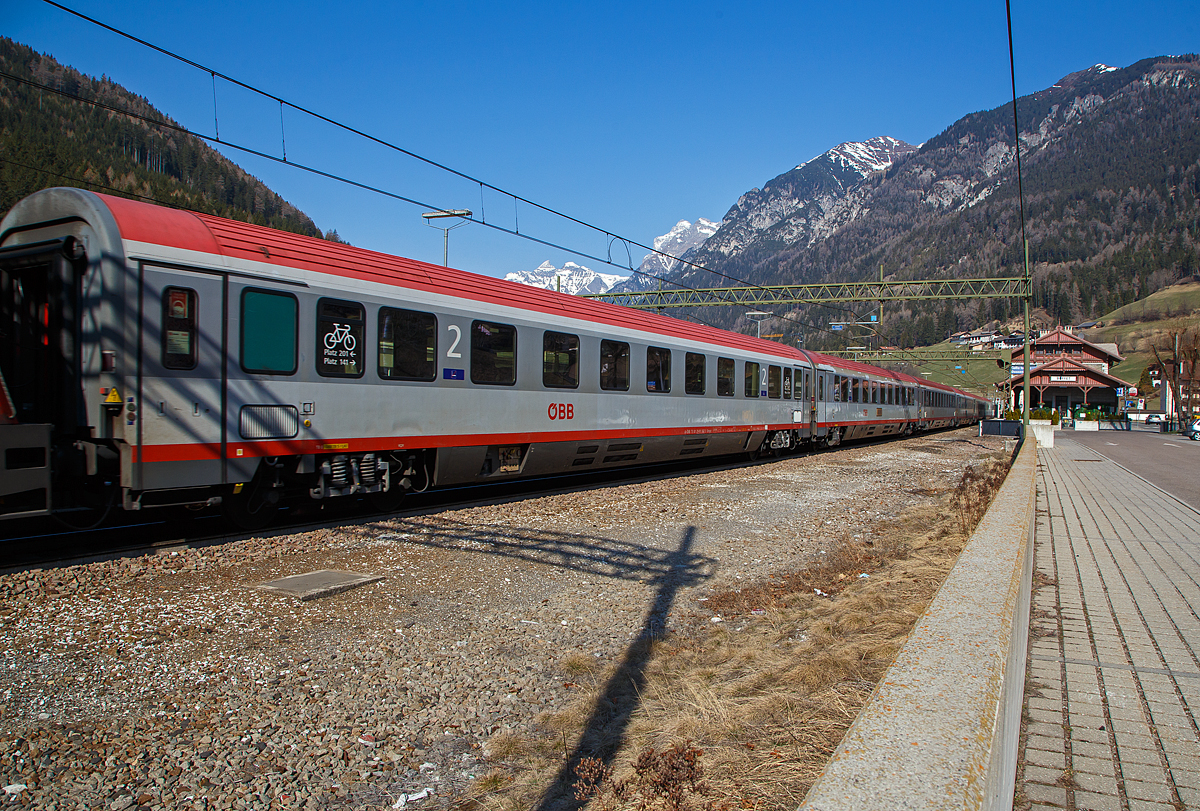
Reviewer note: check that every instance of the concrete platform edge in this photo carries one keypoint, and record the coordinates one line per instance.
(942, 727)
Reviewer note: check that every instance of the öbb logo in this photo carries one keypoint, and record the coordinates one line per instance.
(561, 411)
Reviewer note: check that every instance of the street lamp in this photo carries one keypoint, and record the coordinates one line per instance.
(758, 316)
(437, 215)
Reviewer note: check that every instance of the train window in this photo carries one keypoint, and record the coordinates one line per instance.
(658, 369)
(560, 360)
(693, 373)
(725, 374)
(774, 383)
(493, 353)
(269, 332)
(837, 389)
(787, 384)
(874, 393)
(407, 344)
(340, 350)
(821, 388)
(751, 382)
(614, 365)
(179, 328)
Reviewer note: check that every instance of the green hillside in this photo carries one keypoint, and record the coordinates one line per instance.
(50, 139)
(1152, 321)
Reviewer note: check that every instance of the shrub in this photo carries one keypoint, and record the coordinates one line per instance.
(1044, 414)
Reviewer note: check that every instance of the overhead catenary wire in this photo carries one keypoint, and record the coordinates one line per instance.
(169, 125)
(395, 147)
(517, 199)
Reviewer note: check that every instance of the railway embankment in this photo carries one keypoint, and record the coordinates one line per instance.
(173, 681)
(941, 729)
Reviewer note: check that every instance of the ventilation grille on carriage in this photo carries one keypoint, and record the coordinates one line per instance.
(269, 422)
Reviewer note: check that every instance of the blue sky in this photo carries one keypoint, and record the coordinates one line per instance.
(629, 116)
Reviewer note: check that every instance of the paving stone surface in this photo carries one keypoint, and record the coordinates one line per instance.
(1113, 681)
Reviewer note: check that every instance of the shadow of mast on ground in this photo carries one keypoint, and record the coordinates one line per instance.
(604, 733)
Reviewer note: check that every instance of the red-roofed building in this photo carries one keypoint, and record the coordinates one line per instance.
(1067, 371)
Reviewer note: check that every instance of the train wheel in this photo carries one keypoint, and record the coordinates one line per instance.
(833, 438)
(387, 501)
(252, 509)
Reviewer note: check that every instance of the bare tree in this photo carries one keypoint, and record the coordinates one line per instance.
(1185, 352)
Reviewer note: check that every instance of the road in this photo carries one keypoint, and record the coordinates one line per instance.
(1168, 461)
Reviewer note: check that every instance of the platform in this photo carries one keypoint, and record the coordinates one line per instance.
(1113, 688)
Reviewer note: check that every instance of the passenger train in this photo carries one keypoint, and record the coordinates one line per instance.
(154, 357)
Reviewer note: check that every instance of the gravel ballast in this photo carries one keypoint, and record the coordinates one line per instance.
(173, 681)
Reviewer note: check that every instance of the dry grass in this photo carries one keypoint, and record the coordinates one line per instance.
(745, 713)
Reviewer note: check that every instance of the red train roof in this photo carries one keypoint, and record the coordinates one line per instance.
(187, 230)
(205, 233)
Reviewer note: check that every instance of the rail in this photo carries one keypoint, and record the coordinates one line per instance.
(942, 728)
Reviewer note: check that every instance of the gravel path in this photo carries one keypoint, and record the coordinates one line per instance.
(170, 681)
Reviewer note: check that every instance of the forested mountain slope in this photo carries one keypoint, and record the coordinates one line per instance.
(1111, 163)
(47, 140)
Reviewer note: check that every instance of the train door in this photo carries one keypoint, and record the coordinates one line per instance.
(181, 370)
(40, 396)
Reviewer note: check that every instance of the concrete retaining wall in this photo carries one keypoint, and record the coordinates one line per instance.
(1043, 431)
(941, 730)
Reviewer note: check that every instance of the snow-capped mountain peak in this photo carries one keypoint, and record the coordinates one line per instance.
(873, 155)
(571, 278)
(683, 237)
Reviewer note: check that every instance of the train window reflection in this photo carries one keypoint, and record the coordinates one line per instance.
(493, 353)
(614, 366)
(407, 344)
(693, 373)
(774, 382)
(560, 360)
(751, 381)
(658, 369)
(725, 375)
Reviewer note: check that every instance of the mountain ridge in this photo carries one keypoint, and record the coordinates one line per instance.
(1111, 160)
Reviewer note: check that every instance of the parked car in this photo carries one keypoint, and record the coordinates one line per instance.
(1154, 419)
(1192, 430)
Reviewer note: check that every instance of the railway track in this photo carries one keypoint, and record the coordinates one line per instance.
(49, 543)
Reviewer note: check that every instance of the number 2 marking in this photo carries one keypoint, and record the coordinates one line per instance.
(451, 353)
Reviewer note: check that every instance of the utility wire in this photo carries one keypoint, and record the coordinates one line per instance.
(387, 144)
(168, 125)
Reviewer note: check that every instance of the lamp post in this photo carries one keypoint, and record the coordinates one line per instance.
(437, 215)
(758, 316)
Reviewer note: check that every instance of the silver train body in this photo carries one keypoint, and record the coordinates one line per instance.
(158, 357)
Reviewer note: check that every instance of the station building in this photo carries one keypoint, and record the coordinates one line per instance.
(1066, 372)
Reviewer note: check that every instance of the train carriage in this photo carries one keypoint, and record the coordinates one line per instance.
(153, 357)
